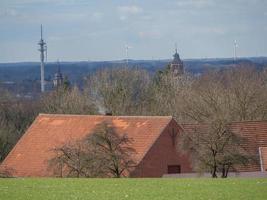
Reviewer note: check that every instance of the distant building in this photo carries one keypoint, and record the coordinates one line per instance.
(152, 138)
(254, 141)
(176, 66)
(58, 78)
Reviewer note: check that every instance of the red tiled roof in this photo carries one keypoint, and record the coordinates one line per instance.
(31, 154)
(254, 133)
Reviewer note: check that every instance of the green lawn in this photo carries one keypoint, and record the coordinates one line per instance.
(152, 189)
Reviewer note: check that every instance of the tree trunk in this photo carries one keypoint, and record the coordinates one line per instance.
(214, 172)
(225, 171)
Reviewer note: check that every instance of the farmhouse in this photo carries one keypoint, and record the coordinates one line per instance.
(153, 139)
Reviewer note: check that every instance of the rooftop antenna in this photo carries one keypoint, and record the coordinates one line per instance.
(43, 50)
(127, 47)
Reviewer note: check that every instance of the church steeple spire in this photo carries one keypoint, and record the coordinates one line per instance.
(177, 66)
(58, 78)
(58, 67)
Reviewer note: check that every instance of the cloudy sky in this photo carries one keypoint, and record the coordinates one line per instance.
(100, 29)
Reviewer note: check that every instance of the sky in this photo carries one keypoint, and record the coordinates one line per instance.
(98, 30)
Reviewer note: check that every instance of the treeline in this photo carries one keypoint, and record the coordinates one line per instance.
(234, 94)
(219, 96)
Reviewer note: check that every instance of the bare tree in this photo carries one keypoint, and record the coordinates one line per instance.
(233, 94)
(15, 117)
(103, 153)
(166, 94)
(67, 101)
(113, 149)
(248, 93)
(121, 91)
(76, 159)
(214, 147)
(5, 95)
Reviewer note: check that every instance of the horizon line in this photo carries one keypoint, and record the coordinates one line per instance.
(121, 60)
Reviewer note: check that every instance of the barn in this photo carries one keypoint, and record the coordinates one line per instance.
(153, 138)
(254, 134)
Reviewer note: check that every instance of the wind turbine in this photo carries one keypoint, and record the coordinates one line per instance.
(127, 47)
(235, 48)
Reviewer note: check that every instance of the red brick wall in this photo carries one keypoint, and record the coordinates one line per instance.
(264, 158)
(161, 154)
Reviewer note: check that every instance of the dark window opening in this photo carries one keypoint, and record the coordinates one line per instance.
(174, 169)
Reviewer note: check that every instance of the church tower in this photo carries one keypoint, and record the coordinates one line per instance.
(58, 77)
(177, 66)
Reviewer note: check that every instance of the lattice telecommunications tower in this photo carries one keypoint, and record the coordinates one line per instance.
(43, 52)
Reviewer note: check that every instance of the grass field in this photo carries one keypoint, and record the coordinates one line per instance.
(150, 189)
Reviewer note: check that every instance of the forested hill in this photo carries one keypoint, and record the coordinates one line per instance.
(14, 72)
(25, 76)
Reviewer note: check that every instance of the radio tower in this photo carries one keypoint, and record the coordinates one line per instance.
(43, 50)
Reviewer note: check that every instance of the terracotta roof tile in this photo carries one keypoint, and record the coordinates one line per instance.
(30, 155)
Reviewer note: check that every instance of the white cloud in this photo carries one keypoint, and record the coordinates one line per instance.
(209, 30)
(154, 34)
(130, 10)
(56, 38)
(216, 30)
(38, 2)
(123, 17)
(97, 16)
(194, 3)
(147, 18)
(126, 11)
(8, 13)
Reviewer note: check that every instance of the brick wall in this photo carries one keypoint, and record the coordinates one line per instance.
(264, 158)
(163, 153)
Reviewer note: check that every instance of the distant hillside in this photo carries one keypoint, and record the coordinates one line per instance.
(24, 77)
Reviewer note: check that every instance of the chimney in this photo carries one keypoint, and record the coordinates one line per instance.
(108, 113)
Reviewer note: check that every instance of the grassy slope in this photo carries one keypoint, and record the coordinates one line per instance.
(151, 189)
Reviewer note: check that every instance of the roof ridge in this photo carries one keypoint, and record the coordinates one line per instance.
(245, 121)
(122, 116)
(233, 122)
